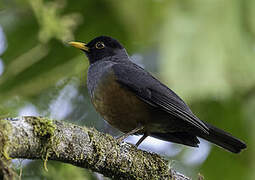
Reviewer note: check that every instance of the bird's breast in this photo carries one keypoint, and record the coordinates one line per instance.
(117, 105)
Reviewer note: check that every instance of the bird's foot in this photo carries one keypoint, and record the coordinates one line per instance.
(124, 136)
(145, 135)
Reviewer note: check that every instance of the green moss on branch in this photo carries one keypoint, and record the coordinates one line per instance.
(44, 129)
(41, 138)
(6, 171)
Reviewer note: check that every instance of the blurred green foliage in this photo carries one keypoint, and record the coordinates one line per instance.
(204, 50)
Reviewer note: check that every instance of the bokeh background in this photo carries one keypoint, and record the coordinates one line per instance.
(203, 49)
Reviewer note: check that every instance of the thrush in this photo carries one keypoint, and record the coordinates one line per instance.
(130, 99)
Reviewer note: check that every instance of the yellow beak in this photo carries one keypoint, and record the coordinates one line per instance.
(79, 45)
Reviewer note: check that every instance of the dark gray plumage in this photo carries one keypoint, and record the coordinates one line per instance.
(135, 102)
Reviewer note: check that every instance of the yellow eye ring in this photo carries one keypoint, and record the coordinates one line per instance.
(99, 45)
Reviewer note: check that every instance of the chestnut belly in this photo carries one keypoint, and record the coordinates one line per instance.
(119, 107)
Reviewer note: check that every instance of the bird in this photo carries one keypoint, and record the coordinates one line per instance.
(132, 100)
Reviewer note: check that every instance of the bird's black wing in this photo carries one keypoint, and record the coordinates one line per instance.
(153, 92)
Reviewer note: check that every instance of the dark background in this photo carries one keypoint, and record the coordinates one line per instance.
(203, 49)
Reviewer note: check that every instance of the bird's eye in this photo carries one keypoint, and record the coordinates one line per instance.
(100, 45)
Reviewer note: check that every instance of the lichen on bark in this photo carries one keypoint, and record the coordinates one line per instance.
(6, 172)
(41, 138)
(44, 129)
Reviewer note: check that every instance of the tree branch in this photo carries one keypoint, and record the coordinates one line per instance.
(40, 138)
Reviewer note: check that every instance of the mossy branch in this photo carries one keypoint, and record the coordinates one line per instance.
(40, 138)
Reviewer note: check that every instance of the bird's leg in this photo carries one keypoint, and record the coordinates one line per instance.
(124, 136)
(145, 135)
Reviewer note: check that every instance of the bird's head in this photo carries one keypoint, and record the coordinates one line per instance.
(100, 48)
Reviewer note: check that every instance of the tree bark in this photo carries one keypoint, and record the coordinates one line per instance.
(41, 138)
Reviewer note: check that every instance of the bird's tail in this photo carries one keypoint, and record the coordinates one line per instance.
(223, 139)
